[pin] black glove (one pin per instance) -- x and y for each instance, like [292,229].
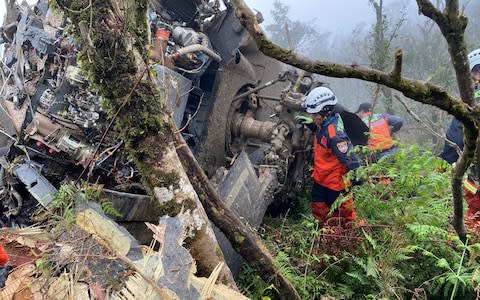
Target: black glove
[357,181]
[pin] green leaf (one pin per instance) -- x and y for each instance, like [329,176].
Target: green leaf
[443,263]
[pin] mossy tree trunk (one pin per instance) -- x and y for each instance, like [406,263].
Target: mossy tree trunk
[452,25]
[112,36]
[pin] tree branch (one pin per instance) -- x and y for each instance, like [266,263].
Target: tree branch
[451,9]
[397,69]
[425,125]
[420,91]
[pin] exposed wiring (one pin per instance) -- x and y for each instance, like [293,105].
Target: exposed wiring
[193,71]
[190,117]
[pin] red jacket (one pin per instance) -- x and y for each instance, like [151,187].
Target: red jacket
[331,157]
[3,256]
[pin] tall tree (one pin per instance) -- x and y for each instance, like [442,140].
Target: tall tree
[285,32]
[380,50]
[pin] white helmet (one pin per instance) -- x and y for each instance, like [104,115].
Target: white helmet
[320,98]
[474,58]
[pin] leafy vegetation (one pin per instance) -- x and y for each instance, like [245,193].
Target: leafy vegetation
[408,250]
[71,195]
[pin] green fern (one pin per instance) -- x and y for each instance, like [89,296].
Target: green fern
[64,203]
[107,208]
[407,249]
[70,195]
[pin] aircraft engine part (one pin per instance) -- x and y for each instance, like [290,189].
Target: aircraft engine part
[187,36]
[75,76]
[247,193]
[47,99]
[196,53]
[78,150]
[248,127]
[56,136]
[85,109]
[279,136]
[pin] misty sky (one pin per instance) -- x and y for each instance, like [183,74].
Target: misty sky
[338,16]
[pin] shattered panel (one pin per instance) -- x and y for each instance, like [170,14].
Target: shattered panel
[249,196]
[40,188]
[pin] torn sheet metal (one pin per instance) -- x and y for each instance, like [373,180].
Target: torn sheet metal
[176,87]
[248,195]
[40,188]
[40,40]
[7,131]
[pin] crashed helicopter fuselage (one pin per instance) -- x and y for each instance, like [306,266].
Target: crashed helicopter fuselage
[233,105]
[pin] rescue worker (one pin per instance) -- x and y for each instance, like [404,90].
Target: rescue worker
[455,130]
[331,156]
[381,126]
[455,134]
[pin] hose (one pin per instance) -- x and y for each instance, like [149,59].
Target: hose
[199,47]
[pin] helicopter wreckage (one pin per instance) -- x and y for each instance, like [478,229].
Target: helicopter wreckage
[234,107]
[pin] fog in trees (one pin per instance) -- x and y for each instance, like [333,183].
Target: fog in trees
[392,25]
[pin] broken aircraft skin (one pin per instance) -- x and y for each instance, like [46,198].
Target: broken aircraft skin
[233,105]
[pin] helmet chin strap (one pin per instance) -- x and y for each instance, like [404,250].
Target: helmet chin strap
[325,115]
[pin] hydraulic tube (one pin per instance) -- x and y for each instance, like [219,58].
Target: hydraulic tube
[198,47]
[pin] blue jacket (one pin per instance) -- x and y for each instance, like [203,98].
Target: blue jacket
[454,134]
[328,140]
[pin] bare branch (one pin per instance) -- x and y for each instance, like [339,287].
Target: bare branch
[451,9]
[426,8]
[453,27]
[425,125]
[397,70]
[241,237]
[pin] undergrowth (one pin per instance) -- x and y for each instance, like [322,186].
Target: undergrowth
[70,196]
[408,250]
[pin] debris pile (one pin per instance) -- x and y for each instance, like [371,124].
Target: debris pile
[233,106]
[54,131]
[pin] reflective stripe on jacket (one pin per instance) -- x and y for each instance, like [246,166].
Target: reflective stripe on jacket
[331,160]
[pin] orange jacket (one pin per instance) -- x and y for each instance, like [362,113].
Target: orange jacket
[380,137]
[331,160]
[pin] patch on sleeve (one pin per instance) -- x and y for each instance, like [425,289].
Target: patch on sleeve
[342,146]
[323,141]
